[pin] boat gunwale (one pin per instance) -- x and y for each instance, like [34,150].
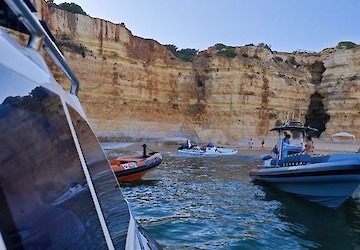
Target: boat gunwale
[154,160]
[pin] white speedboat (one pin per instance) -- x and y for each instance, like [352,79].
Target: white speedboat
[209,149]
[47,144]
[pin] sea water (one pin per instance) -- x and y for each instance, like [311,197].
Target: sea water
[207,202]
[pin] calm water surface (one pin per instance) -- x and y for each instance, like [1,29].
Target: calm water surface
[211,203]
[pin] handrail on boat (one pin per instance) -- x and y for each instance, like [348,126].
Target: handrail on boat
[39,37]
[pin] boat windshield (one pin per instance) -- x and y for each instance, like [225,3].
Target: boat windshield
[45,197]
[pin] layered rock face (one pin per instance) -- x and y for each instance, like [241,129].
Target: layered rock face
[340,86]
[135,88]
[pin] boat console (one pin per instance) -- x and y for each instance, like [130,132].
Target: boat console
[289,149]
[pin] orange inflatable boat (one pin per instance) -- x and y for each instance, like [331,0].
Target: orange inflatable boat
[134,167]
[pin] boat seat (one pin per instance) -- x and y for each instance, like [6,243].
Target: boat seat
[293,160]
[304,158]
[274,162]
[267,157]
[320,158]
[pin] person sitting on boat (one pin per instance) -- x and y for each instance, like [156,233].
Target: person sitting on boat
[285,143]
[186,145]
[275,150]
[309,146]
[286,139]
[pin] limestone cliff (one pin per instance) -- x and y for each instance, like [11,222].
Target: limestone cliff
[135,87]
[340,87]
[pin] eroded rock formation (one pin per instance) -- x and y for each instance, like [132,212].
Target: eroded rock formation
[134,87]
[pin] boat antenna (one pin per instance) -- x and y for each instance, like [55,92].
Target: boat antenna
[280,144]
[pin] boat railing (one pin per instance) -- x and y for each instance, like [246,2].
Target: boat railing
[39,38]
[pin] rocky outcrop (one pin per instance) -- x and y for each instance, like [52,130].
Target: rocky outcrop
[135,88]
[340,87]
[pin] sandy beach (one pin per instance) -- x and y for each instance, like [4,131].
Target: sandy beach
[321,146]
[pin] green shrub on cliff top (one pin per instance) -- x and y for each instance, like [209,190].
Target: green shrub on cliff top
[346,45]
[227,51]
[220,46]
[230,52]
[186,55]
[70,7]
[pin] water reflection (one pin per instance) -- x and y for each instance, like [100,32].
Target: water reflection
[211,203]
[140,182]
[317,225]
[38,162]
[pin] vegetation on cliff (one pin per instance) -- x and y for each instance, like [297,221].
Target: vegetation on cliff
[70,7]
[342,45]
[346,45]
[186,55]
[227,51]
[65,42]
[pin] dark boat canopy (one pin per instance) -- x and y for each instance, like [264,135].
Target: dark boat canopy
[293,126]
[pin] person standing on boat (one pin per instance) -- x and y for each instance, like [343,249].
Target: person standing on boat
[309,146]
[285,144]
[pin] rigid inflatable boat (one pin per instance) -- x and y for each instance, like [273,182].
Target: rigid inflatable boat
[134,167]
[328,179]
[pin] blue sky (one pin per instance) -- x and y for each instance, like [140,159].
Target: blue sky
[285,25]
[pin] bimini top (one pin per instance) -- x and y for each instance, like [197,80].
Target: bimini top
[293,126]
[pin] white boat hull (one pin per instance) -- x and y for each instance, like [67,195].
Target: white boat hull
[209,151]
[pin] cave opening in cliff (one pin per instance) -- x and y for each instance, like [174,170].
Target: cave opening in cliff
[316,116]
